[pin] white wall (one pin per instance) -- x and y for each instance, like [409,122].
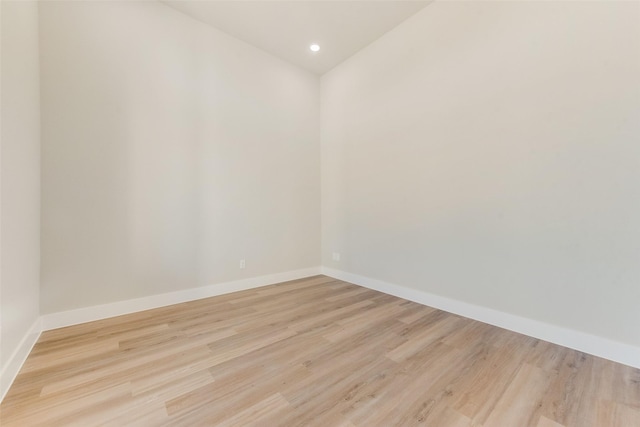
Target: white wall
[170,152]
[20,178]
[489,152]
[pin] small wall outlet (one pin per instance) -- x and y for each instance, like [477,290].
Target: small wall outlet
[243,264]
[336,256]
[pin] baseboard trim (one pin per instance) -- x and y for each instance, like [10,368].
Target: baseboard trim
[16,360]
[581,341]
[103,311]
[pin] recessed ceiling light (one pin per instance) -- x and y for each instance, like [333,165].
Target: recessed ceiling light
[314,47]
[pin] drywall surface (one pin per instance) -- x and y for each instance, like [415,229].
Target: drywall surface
[171,151]
[489,152]
[20,170]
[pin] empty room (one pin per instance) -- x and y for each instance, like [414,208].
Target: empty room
[320,213]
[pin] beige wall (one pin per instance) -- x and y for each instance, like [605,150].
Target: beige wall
[20,176]
[170,152]
[483,151]
[489,152]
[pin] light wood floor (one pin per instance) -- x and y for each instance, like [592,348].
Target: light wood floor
[312,352]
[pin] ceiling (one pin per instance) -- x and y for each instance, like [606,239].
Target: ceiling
[286,29]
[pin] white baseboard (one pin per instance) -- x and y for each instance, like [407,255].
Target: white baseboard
[16,360]
[87,314]
[103,311]
[581,341]
[598,346]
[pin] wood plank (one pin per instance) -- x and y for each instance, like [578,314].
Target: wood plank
[312,352]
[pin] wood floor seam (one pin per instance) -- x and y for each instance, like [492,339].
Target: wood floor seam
[312,352]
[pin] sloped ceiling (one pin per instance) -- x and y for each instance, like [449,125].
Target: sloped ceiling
[287,28]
